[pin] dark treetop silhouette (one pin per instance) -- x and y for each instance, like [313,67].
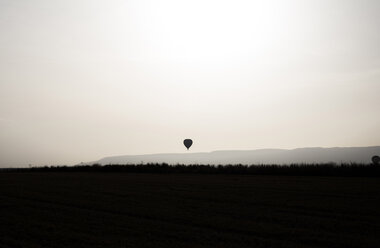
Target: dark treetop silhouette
[187,143]
[376,160]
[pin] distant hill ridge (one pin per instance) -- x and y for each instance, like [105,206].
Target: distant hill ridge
[260,156]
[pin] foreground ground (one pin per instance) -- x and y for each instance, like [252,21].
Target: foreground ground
[187,210]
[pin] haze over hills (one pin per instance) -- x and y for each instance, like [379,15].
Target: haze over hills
[260,156]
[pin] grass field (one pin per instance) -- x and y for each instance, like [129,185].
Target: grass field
[84,209]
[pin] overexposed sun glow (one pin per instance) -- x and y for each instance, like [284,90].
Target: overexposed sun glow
[214,29]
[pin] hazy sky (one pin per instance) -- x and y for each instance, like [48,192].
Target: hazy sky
[84,79]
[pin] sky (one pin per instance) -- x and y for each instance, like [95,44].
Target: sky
[85,79]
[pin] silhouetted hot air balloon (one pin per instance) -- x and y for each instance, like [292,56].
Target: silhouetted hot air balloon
[187,143]
[376,160]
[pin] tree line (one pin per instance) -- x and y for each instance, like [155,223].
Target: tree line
[326,169]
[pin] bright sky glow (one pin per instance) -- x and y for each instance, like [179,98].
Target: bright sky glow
[84,79]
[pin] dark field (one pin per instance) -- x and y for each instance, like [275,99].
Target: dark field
[84,209]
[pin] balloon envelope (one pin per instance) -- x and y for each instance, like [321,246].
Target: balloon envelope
[187,143]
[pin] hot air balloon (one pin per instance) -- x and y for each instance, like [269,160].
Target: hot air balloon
[376,160]
[187,143]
